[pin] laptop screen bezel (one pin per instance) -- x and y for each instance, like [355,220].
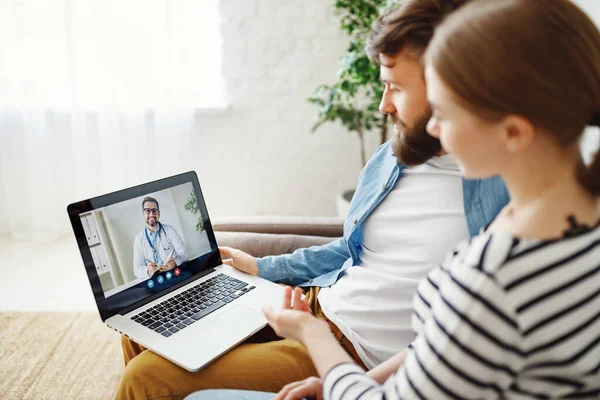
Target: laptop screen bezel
[75,209]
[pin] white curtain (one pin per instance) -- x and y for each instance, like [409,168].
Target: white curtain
[97,95]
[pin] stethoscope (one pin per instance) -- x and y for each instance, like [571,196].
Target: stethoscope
[157,237]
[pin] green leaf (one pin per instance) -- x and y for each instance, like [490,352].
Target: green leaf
[353,100]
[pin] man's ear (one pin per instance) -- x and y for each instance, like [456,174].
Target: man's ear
[517,133]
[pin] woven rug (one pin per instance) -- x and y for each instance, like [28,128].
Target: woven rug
[45,355]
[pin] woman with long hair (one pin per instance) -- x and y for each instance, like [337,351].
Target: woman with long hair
[515,312]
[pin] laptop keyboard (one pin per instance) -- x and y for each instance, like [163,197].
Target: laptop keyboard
[179,312]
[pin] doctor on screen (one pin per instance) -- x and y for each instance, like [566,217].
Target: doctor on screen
[158,247]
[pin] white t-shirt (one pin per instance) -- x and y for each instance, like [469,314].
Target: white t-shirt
[405,237]
[502,318]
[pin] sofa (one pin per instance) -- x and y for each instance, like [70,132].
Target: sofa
[263,236]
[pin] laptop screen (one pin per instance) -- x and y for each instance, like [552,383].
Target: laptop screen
[144,241]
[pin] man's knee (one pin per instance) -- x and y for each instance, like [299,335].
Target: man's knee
[130,349]
[126,344]
[132,377]
[262,367]
[148,375]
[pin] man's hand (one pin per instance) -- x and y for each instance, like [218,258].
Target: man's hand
[310,387]
[152,267]
[169,265]
[239,260]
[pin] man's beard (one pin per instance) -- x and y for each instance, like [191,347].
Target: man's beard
[412,145]
[151,224]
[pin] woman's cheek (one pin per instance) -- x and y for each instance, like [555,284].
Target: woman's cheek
[447,140]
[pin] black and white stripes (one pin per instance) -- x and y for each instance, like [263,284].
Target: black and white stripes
[501,318]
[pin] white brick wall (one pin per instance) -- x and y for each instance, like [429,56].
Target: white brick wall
[275,52]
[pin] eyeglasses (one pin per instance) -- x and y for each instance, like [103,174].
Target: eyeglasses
[149,211]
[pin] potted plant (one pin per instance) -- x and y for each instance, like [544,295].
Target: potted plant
[353,100]
[192,206]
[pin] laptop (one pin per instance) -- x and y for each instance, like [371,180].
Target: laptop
[157,275]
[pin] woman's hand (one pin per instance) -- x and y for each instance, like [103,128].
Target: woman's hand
[289,321]
[311,387]
[298,302]
[294,324]
[294,320]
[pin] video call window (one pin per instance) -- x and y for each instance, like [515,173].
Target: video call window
[150,242]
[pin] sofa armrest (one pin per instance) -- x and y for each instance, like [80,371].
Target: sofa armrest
[262,236]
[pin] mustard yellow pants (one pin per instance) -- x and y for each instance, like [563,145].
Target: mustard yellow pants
[262,363]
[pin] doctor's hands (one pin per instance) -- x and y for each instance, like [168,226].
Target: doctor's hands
[239,260]
[152,267]
[169,265]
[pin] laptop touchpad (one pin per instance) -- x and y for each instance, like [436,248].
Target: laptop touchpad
[232,327]
[241,315]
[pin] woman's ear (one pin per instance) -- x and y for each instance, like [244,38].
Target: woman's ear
[517,133]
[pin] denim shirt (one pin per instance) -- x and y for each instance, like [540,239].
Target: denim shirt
[324,265]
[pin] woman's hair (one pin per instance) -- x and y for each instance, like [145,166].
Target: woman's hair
[539,59]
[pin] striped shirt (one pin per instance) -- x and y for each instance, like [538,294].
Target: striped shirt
[500,318]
